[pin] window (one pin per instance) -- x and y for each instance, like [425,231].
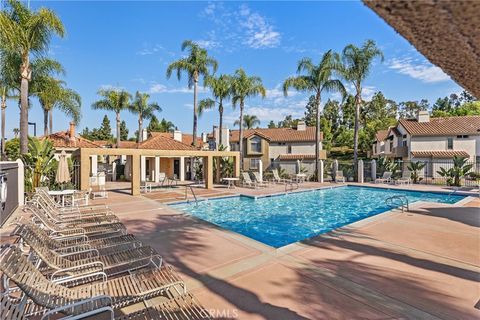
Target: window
[289,149]
[254,163]
[462,136]
[404,143]
[449,143]
[256,145]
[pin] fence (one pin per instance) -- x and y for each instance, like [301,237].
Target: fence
[47,178]
[8,189]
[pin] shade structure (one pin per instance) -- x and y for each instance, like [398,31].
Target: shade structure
[63,174]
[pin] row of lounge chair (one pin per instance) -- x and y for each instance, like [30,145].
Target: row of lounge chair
[78,262]
[257,182]
[387,178]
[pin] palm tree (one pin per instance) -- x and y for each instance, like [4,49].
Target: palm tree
[144,110]
[24,32]
[8,79]
[53,94]
[249,121]
[221,90]
[357,63]
[317,79]
[113,100]
[244,87]
[195,65]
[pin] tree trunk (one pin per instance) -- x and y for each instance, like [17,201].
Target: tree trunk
[140,128]
[4,107]
[240,141]
[45,122]
[317,137]
[195,116]
[355,130]
[220,111]
[25,78]
[118,130]
[50,120]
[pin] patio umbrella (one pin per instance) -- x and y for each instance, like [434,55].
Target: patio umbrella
[298,166]
[63,174]
[126,170]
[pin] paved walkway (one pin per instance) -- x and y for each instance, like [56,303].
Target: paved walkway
[424,264]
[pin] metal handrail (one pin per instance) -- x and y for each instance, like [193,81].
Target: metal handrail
[193,193]
[404,203]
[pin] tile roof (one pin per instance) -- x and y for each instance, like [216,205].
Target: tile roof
[62,139]
[381,135]
[278,134]
[296,157]
[440,154]
[126,144]
[442,126]
[164,142]
[186,137]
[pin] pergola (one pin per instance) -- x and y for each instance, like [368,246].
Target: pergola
[445,32]
[83,155]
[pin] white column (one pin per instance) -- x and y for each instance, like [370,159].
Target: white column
[360,171]
[94,166]
[182,169]
[260,169]
[21,182]
[157,169]
[142,168]
[320,171]
[374,170]
[114,171]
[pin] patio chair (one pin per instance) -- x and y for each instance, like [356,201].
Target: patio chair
[277,179]
[49,297]
[98,192]
[339,177]
[42,193]
[406,178]
[146,186]
[248,182]
[258,181]
[386,178]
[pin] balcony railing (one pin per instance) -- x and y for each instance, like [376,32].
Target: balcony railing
[400,152]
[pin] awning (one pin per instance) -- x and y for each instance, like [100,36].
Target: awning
[440,154]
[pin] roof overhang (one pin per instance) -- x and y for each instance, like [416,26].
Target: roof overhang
[446,32]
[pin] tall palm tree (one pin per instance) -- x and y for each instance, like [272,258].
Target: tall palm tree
[221,90]
[196,64]
[113,100]
[249,121]
[244,87]
[144,110]
[24,32]
[8,84]
[316,79]
[53,94]
[357,63]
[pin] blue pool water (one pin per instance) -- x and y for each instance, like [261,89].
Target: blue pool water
[284,219]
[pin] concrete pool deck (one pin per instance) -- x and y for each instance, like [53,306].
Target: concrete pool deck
[422,264]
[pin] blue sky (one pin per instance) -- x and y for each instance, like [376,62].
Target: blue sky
[129,45]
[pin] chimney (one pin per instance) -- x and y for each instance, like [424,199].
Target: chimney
[301,126]
[144,134]
[225,132]
[71,132]
[204,137]
[177,135]
[423,116]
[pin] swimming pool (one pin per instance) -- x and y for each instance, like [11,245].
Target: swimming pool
[284,219]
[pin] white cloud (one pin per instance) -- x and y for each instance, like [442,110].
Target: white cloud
[368,92]
[160,88]
[259,33]
[153,49]
[422,71]
[111,87]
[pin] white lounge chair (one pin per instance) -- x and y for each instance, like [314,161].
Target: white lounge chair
[259,181]
[339,177]
[405,179]
[386,178]
[277,179]
[247,181]
[145,186]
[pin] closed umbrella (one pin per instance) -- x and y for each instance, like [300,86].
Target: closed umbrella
[126,171]
[63,174]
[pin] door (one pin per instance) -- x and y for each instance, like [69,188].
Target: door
[176,167]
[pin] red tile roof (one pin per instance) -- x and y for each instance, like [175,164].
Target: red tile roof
[278,134]
[443,126]
[186,137]
[440,154]
[62,139]
[381,135]
[164,142]
[296,157]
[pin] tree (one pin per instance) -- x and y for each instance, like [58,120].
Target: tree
[40,163]
[8,85]
[160,126]
[409,109]
[123,131]
[357,63]
[103,133]
[52,94]
[12,149]
[244,87]
[288,122]
[271,124]
[317,79]
[27,32]
[249,121]
[221,90]
[113,100]
[144,110]
[196,64]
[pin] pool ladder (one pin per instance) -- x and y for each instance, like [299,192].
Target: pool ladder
[402,200]
[291,184]
[188,186]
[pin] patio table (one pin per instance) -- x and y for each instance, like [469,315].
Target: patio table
[300,177]
[231,182]
[61,194]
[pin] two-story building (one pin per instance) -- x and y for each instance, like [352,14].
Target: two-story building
[285,148]
[430,139]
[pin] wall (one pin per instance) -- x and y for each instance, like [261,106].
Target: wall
[12,189]
[469,145]
[263,155]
